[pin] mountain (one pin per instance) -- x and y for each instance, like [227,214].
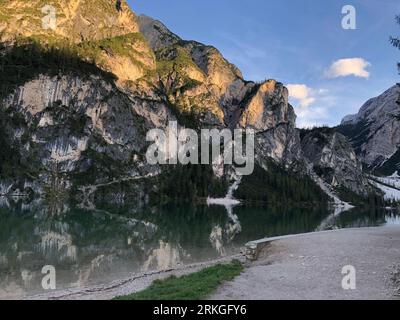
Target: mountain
[244,105]
[375,132]
[334,160]
[77,102]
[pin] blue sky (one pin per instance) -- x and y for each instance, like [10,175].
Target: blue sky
[296,42]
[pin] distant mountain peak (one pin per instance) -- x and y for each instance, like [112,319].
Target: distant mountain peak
[386,103]
[156,33]
[375,131]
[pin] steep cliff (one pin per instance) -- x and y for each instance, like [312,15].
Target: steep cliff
[334,160]
[229,99]
[375,132]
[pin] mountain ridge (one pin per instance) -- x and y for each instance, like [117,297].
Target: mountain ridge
[78,124]
[375,131]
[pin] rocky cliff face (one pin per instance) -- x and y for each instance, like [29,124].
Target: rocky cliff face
[77,101]
[69,131]
[76,20]
[227,97]
[334,160]
[375,132]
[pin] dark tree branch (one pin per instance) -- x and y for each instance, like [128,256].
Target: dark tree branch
[395,42]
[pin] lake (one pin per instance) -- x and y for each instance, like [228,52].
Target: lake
[96,246]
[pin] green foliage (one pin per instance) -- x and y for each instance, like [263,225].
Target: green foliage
[9,155]
[173,64]
[373,200]
[30,57]
[4,17]
[187,118]
[321,132]
[196,286]
[12,164]
[101,166]
[278,186]
[35,55]
[120,45]
[174,58]
[24,61]
[54,191]
[187,183]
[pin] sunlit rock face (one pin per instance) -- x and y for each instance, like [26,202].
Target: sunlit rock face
[76,20]
[268,112]
[236,102]
[268,107]
[375,131]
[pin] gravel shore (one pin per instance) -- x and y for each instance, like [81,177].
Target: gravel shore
[309,267]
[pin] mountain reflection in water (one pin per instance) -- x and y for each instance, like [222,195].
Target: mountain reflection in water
[97,246]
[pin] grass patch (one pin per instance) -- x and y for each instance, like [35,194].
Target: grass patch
[174,58]
[120,45]
[195,286]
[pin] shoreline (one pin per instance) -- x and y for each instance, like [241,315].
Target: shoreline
[138,282]
[310,267]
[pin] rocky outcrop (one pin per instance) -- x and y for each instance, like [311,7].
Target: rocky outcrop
[93,30]
[375,132]
[156,33]
[67,131]
[219,73]
[75,20]
[267,111]
[227,97]
[195,75]
[334,160]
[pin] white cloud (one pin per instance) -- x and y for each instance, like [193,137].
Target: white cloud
[348,67]
[301,93]
[311,117]
[304,99]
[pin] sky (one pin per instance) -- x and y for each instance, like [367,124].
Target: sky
[330,71]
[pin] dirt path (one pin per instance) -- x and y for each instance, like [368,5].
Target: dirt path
[310,267]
